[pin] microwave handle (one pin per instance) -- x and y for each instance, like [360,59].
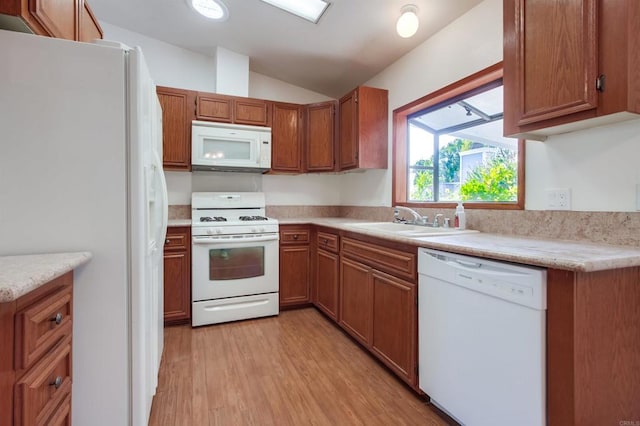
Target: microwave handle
[218,240]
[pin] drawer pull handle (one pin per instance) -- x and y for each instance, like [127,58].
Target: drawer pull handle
[295,237]
[57,319]
[57,382]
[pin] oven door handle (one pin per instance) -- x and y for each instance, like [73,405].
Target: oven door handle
[217,240]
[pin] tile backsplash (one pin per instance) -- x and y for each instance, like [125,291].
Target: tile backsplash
[619,228]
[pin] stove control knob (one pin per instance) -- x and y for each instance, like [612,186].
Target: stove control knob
[254,230]
[209,231]
[262,229]
[218,231]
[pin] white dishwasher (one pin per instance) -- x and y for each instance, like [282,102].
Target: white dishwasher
[482,339]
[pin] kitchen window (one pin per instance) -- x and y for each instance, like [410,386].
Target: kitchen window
[448,147]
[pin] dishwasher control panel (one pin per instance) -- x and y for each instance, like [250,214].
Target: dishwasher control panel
[525,285]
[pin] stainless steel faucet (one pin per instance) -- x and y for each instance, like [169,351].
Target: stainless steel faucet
[436,224]
[417,218]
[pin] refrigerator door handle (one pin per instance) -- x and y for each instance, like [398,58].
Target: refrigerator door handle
[157,167]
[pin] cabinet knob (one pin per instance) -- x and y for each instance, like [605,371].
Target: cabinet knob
[57,382]
[57,319]
[325,241]
[295,236]
[167,241]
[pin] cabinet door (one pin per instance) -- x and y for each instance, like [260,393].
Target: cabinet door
[394,324]
[251,111]
[57,17]
[286,137]
[355,314]
[320,136]
[177,276]
[326,284]
[550,60]
[348,131]
[177,113]
[295,267]
[214,107]
[89,29]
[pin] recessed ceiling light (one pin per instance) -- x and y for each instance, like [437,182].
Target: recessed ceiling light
[311,10]
[212,9]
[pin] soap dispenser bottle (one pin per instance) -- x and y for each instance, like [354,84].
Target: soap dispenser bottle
[460,221]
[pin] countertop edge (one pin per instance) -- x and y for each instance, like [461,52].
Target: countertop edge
[23,274]
[445,243]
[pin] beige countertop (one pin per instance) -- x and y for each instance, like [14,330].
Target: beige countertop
[179,222]
[559,254]
[20,275]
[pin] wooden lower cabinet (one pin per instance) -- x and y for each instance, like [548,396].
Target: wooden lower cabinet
[177,275]
[295,274]
[295,266]
[35,356]
[356,293]
[327,283]
[395,317]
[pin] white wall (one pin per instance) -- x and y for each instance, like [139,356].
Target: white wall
[599,165]
[263,87]
[167,62]
[232,73]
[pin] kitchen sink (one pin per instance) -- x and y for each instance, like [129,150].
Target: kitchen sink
[410,231]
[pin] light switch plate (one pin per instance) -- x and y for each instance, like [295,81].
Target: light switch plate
[559,199]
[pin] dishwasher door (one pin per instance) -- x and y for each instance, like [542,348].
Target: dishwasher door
[482,339]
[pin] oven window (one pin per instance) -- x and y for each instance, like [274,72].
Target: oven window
[236,263]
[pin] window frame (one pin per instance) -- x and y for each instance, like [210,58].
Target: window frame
[400,165]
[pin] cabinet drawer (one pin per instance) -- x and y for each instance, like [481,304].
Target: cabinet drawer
[43,389]
[392,261]
[41,325]
[294,236]
[177,239]
[327,241]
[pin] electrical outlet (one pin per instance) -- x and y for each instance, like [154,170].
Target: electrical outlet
[559,199]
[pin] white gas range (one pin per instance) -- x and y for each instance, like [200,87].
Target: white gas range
[234,257]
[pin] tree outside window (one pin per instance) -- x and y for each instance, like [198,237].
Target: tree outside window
[457,152]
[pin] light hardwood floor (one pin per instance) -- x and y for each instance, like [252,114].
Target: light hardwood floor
[294,369]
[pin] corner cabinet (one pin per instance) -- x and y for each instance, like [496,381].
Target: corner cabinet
[178,110]
[286,137]
[177,275]
[569,65]
[363,129]
[320,139]
[295,265]
[66,19]
[35,356]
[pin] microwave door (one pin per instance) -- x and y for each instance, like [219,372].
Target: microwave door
[229,151]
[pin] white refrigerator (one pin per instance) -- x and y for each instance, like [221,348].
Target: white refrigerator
[80,170]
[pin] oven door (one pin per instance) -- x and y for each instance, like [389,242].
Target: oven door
[228,267]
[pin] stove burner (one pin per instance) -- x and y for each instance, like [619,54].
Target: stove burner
[213,219]
[248,218]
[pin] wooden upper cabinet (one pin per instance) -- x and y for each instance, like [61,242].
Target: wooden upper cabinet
[214,107]
[177,114]
[286,137]
[568,65]
[89,28]
[232,109]
[320,136]
[67,19]
[254,112]
[363,135]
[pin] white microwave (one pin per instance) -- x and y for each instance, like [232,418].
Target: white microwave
[230,147]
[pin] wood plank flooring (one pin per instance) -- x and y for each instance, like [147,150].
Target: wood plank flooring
[294,369]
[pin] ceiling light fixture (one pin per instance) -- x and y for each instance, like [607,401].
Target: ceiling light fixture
[408,23]
[311,10]
[212,9]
